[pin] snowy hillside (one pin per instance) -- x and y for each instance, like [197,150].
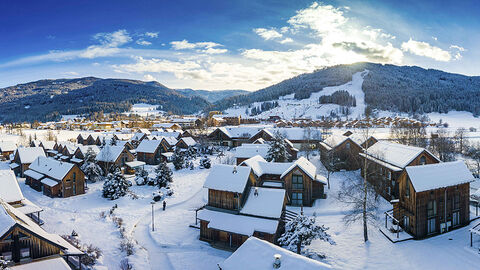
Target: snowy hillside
[290,108]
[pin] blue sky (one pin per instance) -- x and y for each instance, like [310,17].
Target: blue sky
[229,44]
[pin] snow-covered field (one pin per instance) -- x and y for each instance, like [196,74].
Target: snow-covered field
[175,245]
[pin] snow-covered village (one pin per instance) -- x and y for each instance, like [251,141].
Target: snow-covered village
[232,135]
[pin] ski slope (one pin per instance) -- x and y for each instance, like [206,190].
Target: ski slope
[290,108]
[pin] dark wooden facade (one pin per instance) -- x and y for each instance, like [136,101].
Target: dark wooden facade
[71,185]
[151,158]
[123,158]
[423,213]
[343,156]
[385,180]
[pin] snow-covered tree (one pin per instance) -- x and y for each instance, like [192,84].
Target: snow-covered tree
[301,231]
[115,185]
[163,175]
[90,168]
[178,159]
[141,177]
[278,149]
[3,264]
[205,162]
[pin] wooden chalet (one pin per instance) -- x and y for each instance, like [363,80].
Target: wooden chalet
[149,152]
[232,136]
[48,145]
[167,144]
[11,193]
[81,151]
[433,198]
[297,136]
[82,139]
[137,138]
[113,155]
[23,242]
[300,179]
[386,162]
[7,149]
[237,210]
[24,156]
[55,178]
[186,142]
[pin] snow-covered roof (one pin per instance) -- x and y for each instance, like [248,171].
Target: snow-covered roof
[260,255]
[147,146]
[260,166]
[267,203]
[168,154]
[135,163]
[170,140]
[239,224]
[334,140]
[305,165]
[440,175]
[295,133]
[33,174]
[396,154]
[175,134]
[251,150]
[50,167]
[240,131]
[29,154]
[57,263]
[49,182]
[7,146]
[189,141]
[48,145]
[110,153]
[9,216]
[138,136]
[227,178]
[84,148]
[9,189]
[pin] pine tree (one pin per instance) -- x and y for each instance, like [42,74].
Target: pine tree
[141,177]
[205,163]
[115,185]
[178,159]
[301,231]
[90,168]
[163,175]
[278,149]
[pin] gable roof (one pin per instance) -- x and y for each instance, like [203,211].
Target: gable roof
[110,153]
[227,178]
[29,154]
[189,141]
[84,148]
[48,145]
[251,150]
[170,140]
[50,167]
[147,146]
[305,165]
[396,154]
[9,189]
[239,131]
[267,203]
[295,133]
[440,175]
[260,166]
[259,254]
[7,146]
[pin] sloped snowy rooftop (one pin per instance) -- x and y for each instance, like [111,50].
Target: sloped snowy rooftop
[259,255]
[267,203]
[169,140]
[251,150]
[110,153]
[147,146]
[189,141]
[227,178]
[305,165]
[433,176]
[50,167]
[239,224]
[7,146]
[9,189]
[29,154]
[240,131]
[48,264]
[396,154]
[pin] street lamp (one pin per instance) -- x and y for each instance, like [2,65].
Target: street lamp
[153,217]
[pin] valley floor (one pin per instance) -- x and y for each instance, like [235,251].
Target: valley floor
[175,245]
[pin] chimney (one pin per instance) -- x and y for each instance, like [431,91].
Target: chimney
[277,262]
[256,191]
[234,169]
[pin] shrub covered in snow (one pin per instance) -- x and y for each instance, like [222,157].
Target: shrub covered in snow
[205,163]
[92,253]
[300,231]
[3,263]
[115,185]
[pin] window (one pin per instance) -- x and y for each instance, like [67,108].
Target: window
[431,228]
[407,189]
[347,145]
[456,218]
[406,222]
[7,256]
[297,181]
[389,175]
[432,208]
[456,201]
[423,160]
[297,199]
[24,253]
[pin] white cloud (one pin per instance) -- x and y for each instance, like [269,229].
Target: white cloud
[286,40]
[109,43]
[143,42]
[319,18]
[267,34]
[151,34]
[203,47]
[425,49]
[459,48]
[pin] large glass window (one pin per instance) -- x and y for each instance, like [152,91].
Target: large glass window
[297,198]
[297,181]
[456,201]
[432,208]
